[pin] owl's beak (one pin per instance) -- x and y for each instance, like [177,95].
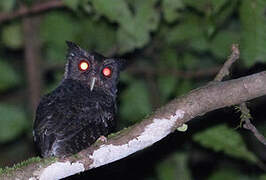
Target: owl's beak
[93,83]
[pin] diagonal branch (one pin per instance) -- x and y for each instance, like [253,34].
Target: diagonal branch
[245,112]
[36,8]
[152,129]
[224,71]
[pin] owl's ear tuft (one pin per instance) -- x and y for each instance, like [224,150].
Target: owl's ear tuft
[72,46]
[73,49]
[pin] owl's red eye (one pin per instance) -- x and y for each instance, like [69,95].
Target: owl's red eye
[83,65]
[107,72]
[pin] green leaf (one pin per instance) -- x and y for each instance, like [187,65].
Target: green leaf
[9,78]
[210,6]
[127,41]
[168,59]
[199,4]
[134,30]
[174,167]
[166,85]
[170,9]
[58,24]
[183,128]
[7,6]
[225,12]
[12,122]
[227,140]
[191,28]
[72,4]
[146,14]
[135,102]
[199,44]
[218,4]
[191,62]
[12,36]
[56,28]
[228,174]
[190,32]
[135,33]
[262,177]
[221,44]
[115,10]
[252,16]
[97,36]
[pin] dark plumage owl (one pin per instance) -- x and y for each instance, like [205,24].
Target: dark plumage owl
[81,108]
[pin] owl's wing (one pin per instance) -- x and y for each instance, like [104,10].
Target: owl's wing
[45,123]
[61,118]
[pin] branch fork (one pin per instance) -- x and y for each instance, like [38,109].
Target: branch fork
[152,129]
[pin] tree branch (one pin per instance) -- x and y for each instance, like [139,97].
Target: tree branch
[32,56]
[245,117]
[36,8]
[139,136]
[245,112]
[224,71]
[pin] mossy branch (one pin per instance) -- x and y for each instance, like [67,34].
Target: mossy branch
[152,129]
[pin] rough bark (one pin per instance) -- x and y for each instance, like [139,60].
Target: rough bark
[162,122]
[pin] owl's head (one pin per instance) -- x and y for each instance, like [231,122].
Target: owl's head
[93,69]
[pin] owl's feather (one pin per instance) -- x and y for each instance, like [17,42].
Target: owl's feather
[72,117]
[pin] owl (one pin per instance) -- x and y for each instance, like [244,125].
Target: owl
[82,108]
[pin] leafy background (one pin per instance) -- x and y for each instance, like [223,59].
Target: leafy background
[171,46]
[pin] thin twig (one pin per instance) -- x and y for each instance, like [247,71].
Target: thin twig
[245,113]
[245,117]
[36,8]
[224,71]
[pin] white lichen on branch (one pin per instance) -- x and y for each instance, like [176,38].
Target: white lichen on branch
[60,170]
[154,132]
[150,130]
